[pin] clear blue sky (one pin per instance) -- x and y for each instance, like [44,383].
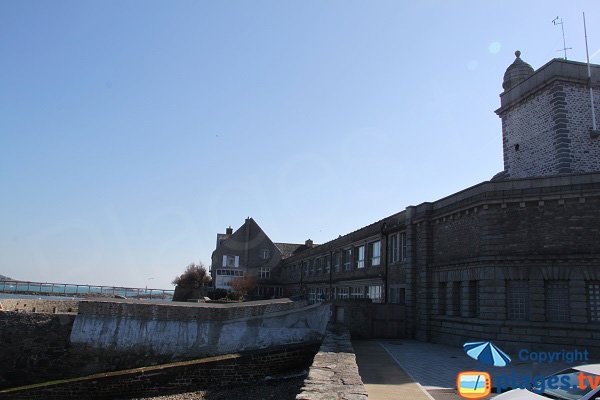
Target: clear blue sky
[131,132]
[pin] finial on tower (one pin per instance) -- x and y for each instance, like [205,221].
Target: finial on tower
[518,53]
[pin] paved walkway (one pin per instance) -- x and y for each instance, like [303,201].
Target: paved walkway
[400,369]
[381,375]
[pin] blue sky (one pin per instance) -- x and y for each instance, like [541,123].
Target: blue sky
[131,132]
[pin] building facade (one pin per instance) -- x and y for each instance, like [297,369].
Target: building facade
[515,260]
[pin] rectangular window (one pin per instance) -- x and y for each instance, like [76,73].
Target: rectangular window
[375,250]
[336,262]
[327,266]
[442,295]
[311,266]
[360,257]
[312,295]
[517,300]
[374,294]
[394,248]
[264,254]
[397,295]
[231,261]
[357,292]
[593,297]
[456,298]
[557,301]
[305,263]
[265,272]
[473,299]
[403,246]
[342,292]
[319,264]
[347,259]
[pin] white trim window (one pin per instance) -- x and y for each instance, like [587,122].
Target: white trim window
[231,261]
[264,254]
[375,250]
[360,256]
[265,272]
[347,259]
[374,293]
[342,292]
[357,292]
[336,262]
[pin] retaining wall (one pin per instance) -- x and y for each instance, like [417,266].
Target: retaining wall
[40,306]
[224,370]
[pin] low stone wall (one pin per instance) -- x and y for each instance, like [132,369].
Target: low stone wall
[225,370]
[34,347]
[40,306]
[334,373]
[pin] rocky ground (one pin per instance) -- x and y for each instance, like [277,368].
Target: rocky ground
[285,389]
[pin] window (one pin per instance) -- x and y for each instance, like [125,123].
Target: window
[403,246]
[279,291]
[557,301]
[375,250]
[347,259]
[593,292]
[455,298]
[319,265]
[311,266]
[360,257]
[517,300]
[398,247]
[312,295]
[264,254]
[374,293]
[231,261]
[473,299]
[327,266]
[342,292]
[305,267]
[265,272]
[442,293]
[397,295]
[336,262]
[394,248]
[357,293]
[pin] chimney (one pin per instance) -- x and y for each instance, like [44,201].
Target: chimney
[229,231]
[308,243]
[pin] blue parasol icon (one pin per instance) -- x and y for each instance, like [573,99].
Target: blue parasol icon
[488,353]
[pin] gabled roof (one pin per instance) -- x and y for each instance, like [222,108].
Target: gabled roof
[287,249]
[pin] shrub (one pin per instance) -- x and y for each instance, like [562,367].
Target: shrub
[195,276]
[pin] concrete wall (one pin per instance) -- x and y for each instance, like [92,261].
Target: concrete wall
[196,331]
[367,320]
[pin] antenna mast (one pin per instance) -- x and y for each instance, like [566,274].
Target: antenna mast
[594,128]
[562,26]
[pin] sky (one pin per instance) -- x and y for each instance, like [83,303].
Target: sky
[132,132]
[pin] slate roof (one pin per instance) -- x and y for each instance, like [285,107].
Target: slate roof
[287,249]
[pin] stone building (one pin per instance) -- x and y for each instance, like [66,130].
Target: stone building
[515,259]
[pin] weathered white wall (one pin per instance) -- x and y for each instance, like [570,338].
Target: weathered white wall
[198,338]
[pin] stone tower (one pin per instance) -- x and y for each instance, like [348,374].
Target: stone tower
[547,119]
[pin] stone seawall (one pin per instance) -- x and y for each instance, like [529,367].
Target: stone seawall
[40,306]
[112,335]
[34,347]
[212,372]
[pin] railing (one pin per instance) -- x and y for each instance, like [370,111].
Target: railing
[69,289]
